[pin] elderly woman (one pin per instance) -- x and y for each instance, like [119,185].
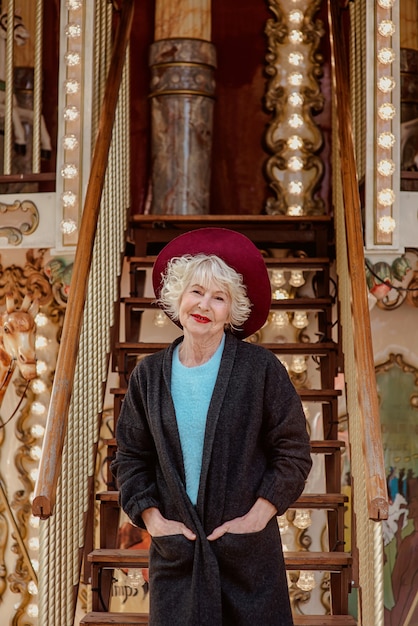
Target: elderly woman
[212,442]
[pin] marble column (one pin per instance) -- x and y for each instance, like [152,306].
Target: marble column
[182,90]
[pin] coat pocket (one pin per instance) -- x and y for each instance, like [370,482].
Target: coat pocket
[175,549]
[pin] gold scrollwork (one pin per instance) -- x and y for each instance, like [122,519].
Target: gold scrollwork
[24,220]
[294,170]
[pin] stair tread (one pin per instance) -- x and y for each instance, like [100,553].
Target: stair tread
[304,393]
[305,263]
[317,445]
[308,500]
[323,561]
[122,619]
[283,303]
[324,620]
[318,347]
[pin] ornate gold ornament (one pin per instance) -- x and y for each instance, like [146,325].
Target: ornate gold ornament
[23,221]
[294,169]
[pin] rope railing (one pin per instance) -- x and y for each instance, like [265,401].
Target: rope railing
[53,444]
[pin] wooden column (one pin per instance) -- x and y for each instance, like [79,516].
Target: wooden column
[182,61]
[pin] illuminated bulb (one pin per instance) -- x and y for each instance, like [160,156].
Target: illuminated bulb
[73,30]
[386,4]
[298,364]
[386,111]
[295,58]
[295,164]
[72,58]
[33,610]
[295,187]
[70,142]
[295,36]
[295,79]
[302,519]
[69,171]
[295,142]
[386,28]
[300,319]
[32,588]
[386,84]
[38,408]
[283,523]
[41,320]
[71,114]
[71,86]
[41,342]
[295,121]
[295,16]
[280,294]
[74,5]
[295,209]
[306,581]
[386,56]
[295,99]
[386,167]
[38,386]
[68,199]
[386,140]
[160,319]
[34,521]
[296,278]
[386,197]
[36,453]
[34,474]
[37,430]
[280,319]
[68,226]
[277,278]
[34,543]
[386,224]
[41,368]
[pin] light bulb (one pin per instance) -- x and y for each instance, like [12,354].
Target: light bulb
[296,278]
[386,56]
[277,278]
[302,519]
[68,226]
[295,209]
[73,30]
[295,121]
[74,5]
[283,523]
[37,431]
[295,187]
[295,36]
[298,365]
[69,171]
[386,111]
[295,79]
[295,164]
[386,4]
[70,142]
[71,86]
[295,58]
[41,320]
[386,197]
[68,199]
[280,319]
[295,99]
[386,28]
[160,319]
[41,367]
[295,142]
[295,16]
[386,140]
[306,581]
[72,59]
[38,386]
[71,114]
[280,294]
[41,342]
[386,167]
[300,319]
[386,84]
[386,224]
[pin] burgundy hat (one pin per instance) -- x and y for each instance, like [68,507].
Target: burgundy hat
[238,252]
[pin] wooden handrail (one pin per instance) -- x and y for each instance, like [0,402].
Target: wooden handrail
[376,488]
[50,465]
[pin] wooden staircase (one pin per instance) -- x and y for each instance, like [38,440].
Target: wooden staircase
[288,243]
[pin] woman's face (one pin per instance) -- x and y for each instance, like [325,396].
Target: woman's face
[205,311]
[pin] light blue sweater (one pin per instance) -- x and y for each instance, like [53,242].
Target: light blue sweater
[191,389]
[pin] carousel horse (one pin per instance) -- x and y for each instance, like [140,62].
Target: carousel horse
[19,114]
[17,341]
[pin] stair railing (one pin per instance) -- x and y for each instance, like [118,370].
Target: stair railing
[50,464]
[369,491]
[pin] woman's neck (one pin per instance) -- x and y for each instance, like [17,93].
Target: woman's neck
[193,352]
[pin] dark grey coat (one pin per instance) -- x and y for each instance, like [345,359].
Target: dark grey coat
[256,445]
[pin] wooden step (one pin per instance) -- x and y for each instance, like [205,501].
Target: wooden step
[312,304]
[121,619]
[305,501]
[127,619]
[324,620]
[117,557]
[318,561]
[304,263]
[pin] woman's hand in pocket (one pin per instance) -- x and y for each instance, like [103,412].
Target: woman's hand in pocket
[255,520]
[159,526]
